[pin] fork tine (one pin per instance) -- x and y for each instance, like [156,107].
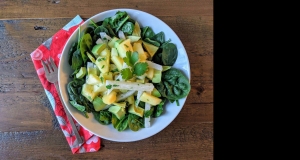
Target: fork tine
[53,65]
[45,66]
[49,65]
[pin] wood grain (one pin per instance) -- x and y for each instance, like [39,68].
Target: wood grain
[172,143]
[66,9]
[27,123]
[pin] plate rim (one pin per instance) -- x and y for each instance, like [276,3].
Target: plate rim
[183,100]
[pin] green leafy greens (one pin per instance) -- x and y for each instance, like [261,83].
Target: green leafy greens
[173,86]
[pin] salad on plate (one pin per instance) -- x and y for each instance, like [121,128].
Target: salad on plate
[123,73]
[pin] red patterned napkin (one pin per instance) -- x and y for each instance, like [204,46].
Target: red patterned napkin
[53,48]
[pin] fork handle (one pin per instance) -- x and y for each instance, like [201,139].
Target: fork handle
[78,137]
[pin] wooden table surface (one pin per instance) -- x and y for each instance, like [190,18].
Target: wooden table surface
[28,129]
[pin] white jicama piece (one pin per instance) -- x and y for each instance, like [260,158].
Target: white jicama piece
[138,97]
[119,78]
[130,85]
[155,65]
[125,95]
[99,41]
[103,36]
[90,65]
[147,119]
[121,34]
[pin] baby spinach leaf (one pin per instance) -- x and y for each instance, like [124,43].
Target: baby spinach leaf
[135,122]
[88,105]
[114,120]
[143,31]
[174,85]
[149,33]
[103,117]
[123,124]
[141,104]
[74,88]
[99,23]
[128,28]
[157,58]
[130,20]
[100,29]
[74,73]
[77,60]
[165,43]
[76,99]
[169,54]
[152,42]
[158,110]
[95,38]
[111,33]
[86,44]
[79,107]
[117,20]
[159,37]
[90,29]
[71,51]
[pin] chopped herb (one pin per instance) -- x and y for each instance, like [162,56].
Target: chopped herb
[108,86]
[101,78]
[127,59]
[125,45]
[102,66]
[115,85]
[140,68]
[131,59]
[101,59]
[126,73]
[115,70]
[134,57]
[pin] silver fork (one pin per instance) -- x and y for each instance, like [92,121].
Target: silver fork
[51,73]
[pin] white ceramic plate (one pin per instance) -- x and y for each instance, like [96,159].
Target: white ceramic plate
[171,110]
